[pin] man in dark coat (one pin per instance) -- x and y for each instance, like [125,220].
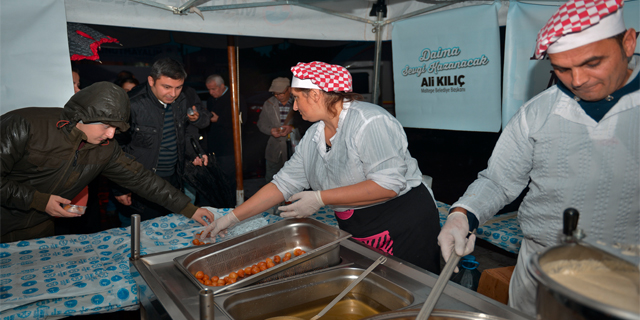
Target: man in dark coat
[50,154]
[157,137]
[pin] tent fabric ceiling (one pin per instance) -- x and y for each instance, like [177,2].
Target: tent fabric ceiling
[136,38]
[345,20]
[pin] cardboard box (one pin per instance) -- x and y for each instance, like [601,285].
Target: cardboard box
[494,283]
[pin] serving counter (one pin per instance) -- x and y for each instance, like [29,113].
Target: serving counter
[72,275]
[165,292]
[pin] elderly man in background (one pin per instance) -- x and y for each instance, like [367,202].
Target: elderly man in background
[218,137]
[575,145]
[49,155]
[274,122]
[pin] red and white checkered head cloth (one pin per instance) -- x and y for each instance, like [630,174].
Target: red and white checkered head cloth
[321,75]
[580,22]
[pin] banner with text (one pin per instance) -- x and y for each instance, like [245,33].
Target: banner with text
[447,70]
[525,77]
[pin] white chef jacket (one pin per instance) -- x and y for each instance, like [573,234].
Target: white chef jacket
[571,161]
[369,144]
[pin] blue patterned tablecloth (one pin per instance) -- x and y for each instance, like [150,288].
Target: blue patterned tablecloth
[71,275]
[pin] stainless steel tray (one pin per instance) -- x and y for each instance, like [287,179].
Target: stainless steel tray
[305,296]
[320,241]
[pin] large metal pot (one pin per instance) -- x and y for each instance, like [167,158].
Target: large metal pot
[411,314]
[586,291]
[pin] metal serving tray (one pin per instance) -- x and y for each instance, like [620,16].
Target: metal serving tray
[165,292]
[320,241]
[305,296]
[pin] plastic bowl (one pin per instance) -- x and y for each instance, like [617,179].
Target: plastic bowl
[75,208]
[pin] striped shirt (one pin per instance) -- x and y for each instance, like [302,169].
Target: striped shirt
[168,147]
[284,111]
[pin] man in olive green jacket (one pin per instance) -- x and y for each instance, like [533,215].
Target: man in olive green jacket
[50,154]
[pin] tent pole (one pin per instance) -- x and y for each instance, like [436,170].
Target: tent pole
[376,63]
[235,114]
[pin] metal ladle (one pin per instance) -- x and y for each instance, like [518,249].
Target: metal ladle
[344,292]
[437,289]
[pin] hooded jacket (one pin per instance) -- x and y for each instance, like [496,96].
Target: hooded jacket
[43,154]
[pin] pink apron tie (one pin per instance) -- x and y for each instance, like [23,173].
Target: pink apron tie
[344,215]
[380,241]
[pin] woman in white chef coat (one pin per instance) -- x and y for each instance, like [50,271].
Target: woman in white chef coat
[355,160]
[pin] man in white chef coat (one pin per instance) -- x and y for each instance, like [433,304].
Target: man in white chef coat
[575,144]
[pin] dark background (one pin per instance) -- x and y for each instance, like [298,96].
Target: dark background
[452,158]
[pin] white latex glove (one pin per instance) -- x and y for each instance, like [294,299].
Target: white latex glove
[219,225]
[308,203]
[454,235]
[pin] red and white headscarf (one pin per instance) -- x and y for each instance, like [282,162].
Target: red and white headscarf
[321,75]
[580,22]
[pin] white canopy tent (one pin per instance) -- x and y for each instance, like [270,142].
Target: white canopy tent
[37,35]
[358,20]
[296,19]
[33,42]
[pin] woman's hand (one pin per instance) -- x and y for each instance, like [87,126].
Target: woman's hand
[308,203]
[220,225]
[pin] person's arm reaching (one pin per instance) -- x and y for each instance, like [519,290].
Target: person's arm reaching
[359,194]
[267,197]
[125,171]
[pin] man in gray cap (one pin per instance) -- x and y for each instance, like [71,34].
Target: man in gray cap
[275,123]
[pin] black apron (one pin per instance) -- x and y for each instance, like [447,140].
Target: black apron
[406,227]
